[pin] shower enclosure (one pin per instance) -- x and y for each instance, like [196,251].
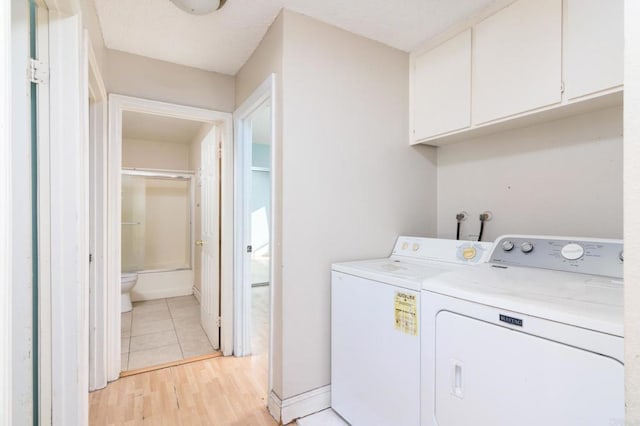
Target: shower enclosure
[157,231]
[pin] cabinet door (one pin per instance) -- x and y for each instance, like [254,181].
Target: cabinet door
[594,58]
[517,58]
[442,88]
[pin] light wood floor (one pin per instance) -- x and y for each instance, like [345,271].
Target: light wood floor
[218,391]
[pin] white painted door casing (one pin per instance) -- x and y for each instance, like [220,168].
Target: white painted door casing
[442,88]
[517,60]
[594,46]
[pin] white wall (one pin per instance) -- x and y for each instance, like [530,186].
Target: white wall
[155,155]
[557,178]
[350,184]
[133,75]
[632,211]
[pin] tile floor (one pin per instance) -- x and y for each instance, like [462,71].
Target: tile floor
[160,331]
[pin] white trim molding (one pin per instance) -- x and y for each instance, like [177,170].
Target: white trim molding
[290,409]
[242,235]
[631,213]
[96,134]
[68,230]
[6,256]
[196,293]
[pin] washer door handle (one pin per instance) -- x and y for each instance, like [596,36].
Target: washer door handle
[456,379]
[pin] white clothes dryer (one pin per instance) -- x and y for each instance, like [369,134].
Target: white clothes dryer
[375,328]
[533,337]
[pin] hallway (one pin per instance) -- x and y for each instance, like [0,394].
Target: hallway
[217,391]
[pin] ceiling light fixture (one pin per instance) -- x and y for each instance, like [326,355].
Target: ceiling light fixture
[199,7]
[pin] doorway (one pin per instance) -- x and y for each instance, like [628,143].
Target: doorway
[254,223]
[164,319]
[165,281]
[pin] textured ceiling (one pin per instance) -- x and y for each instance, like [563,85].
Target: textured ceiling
[157,128]
[224,40]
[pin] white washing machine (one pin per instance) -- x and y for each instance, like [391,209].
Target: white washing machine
[533,337]
[375,328]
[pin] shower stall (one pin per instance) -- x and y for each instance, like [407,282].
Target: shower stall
[157,232]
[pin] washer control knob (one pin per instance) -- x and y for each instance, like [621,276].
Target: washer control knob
[526,247]
[572,251]
[621,256]
[416,246]
[507,245]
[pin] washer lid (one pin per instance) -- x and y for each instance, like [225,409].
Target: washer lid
[401,272]
[586,301]
[414,259]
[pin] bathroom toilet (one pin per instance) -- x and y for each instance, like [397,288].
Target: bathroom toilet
[127,281]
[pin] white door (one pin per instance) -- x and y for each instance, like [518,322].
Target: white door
[491,375]
[210,237]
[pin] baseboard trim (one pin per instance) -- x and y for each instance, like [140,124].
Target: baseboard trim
[287,410]
[196,293]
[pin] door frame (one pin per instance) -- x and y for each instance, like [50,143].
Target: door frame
[6,252]
[62,211]
[117,105]
[242,298]
[96,135]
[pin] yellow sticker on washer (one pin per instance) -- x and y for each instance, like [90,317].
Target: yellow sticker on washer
[406,313]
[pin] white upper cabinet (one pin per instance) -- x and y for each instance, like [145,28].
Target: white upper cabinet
[517,60]
[515,64]
[594,57]
[441,88]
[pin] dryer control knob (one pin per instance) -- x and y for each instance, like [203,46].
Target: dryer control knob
[572,251]
[526,247]
[507,245]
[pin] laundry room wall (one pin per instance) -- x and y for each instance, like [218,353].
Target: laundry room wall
[351,183]
[558,178]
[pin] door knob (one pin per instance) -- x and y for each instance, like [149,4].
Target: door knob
[199,242]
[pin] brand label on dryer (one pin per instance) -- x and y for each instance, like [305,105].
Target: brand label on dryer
[511,320]
[406,313]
